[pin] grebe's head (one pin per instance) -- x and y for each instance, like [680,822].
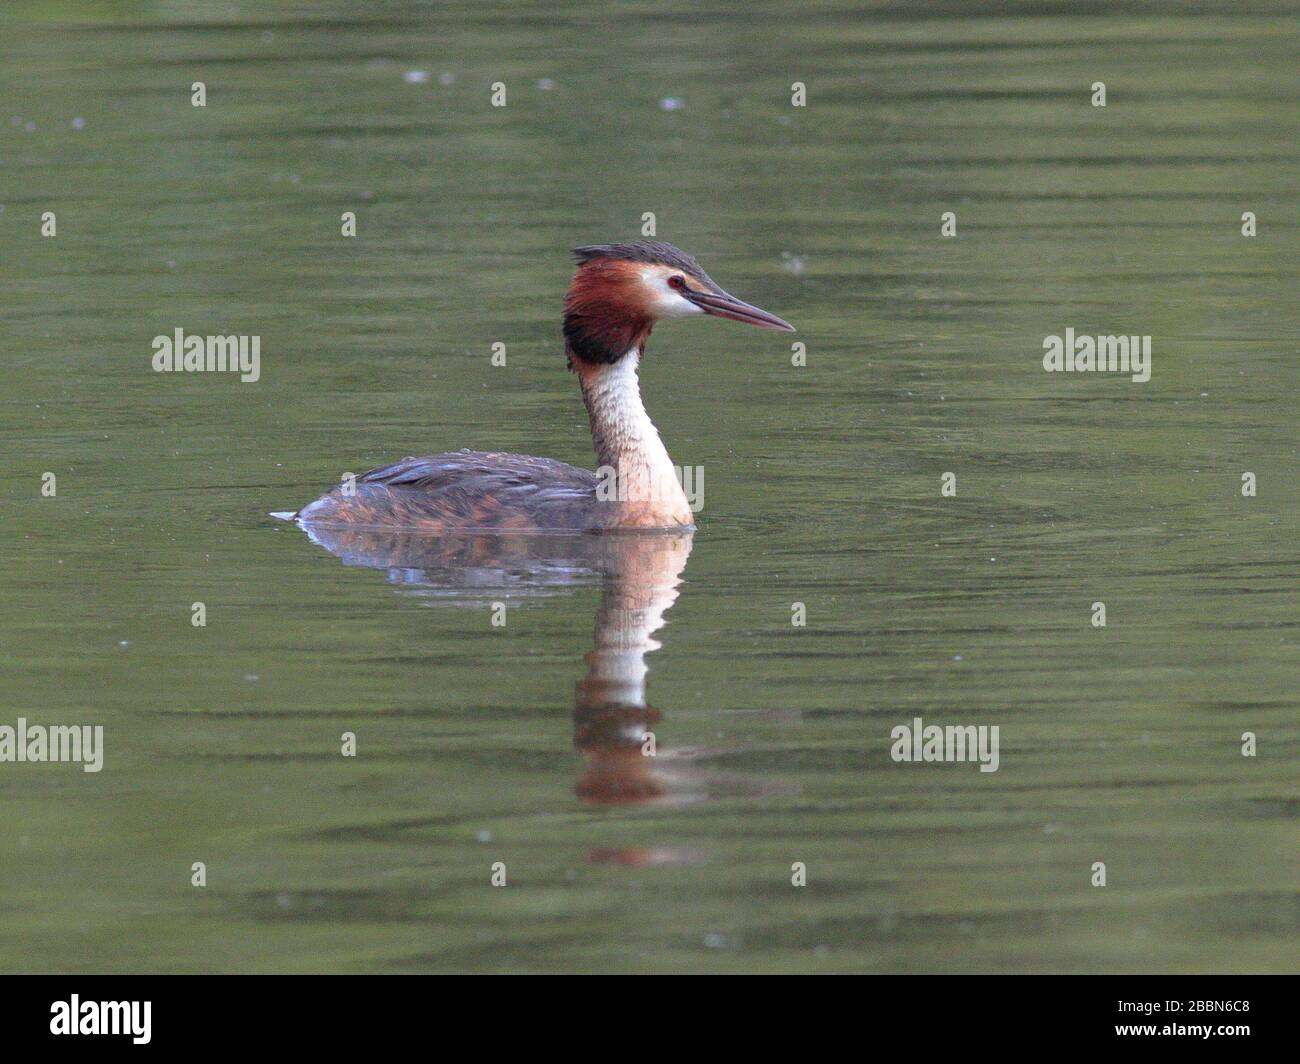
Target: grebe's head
[621,290]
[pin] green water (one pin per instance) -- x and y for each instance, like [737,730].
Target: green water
[479,744]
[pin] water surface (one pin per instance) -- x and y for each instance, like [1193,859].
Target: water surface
[519,744]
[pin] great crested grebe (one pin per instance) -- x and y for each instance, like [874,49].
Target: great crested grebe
[617,295]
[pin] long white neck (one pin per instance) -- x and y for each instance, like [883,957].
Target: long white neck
[628,444]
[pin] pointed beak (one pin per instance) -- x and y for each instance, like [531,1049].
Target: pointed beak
[721,305]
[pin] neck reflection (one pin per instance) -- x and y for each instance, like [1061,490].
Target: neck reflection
[613,723]
[640,575]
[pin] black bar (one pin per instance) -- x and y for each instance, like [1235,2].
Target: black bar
[348,1013]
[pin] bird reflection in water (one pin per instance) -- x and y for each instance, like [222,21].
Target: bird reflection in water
[639,575]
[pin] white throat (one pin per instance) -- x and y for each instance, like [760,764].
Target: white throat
[627,441]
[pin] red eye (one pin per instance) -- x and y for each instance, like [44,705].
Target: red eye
[678,282]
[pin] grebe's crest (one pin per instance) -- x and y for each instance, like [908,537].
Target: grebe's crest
[651,252]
